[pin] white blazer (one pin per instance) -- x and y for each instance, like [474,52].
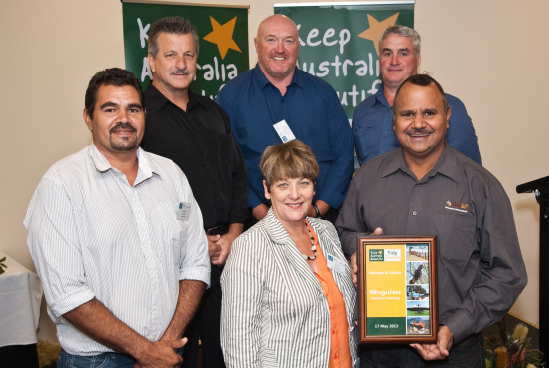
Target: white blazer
[274,312]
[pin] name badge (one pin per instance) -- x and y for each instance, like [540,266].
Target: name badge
[284,131]
[184,211]
[335,264]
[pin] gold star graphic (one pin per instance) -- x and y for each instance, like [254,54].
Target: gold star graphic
[222,36]
[376,29]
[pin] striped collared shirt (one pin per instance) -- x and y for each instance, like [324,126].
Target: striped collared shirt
[92,235]
[274,311]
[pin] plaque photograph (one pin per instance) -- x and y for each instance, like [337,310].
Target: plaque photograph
[397,289]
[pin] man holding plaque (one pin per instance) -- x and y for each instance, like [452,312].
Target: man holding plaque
[426,187]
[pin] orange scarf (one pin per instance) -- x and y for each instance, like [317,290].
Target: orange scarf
[340,353]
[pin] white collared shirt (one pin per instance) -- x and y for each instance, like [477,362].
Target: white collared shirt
[92,235]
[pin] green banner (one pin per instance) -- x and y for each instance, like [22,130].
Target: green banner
[223,36]
[339,43]
[386,326]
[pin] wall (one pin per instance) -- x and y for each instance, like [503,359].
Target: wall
[491,54]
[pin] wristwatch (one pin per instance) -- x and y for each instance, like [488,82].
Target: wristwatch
[316,210]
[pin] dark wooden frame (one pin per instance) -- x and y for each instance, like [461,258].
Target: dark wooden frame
[367,241]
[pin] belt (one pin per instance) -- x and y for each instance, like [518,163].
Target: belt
[217,230]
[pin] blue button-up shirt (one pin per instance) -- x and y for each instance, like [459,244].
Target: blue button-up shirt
[374,135]
[314,114]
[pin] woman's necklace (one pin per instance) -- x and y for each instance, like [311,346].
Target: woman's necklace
[313,247]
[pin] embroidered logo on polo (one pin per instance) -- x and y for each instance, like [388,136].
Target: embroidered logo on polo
[457,206]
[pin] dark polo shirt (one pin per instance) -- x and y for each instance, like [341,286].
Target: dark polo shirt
[480,268]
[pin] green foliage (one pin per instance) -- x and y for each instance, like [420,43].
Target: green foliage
[517,345]
[2,265]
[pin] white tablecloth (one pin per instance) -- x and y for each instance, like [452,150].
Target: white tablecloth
[20,297]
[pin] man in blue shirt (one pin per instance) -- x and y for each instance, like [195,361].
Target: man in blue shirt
[399,58]
[275,90]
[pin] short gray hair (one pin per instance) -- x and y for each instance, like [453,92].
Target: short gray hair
[402,31]
[171,25]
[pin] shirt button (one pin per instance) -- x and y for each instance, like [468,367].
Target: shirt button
[414,213]
[335,356]
[146,246]
[385,132]
[219,208]
[333,332]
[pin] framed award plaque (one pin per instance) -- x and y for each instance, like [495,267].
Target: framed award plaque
[397,289]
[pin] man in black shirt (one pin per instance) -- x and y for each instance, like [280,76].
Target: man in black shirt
[195,133]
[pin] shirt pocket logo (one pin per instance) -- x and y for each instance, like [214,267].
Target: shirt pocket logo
[454,206]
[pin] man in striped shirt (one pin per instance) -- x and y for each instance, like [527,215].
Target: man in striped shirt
[117,240]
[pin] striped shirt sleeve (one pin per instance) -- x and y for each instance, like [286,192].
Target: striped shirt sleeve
[55,249]
[241,307]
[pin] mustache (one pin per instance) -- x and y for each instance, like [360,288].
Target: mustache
[123,126]
[181,71]
[424,130]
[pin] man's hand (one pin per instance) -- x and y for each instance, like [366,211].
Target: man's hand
[260,211]
[323,207]
[441,349]
[96,321]
[161,354]
[225,242]
[354,267]
[213,247]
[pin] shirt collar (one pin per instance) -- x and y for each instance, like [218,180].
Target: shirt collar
[445,165]
[146,166]
[156,100]
[262,80]
[279,235]
[380,97]
[396,163]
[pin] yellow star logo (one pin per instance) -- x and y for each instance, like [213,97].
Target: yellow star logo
[222,36]
[376,29]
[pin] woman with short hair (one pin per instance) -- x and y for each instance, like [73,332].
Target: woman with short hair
[288,296]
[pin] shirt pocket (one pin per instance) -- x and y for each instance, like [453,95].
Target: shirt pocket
[368,141]
[268,358]
[457,241]
[173,232]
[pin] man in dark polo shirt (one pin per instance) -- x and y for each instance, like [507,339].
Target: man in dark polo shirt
[195,133]
[427,187]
